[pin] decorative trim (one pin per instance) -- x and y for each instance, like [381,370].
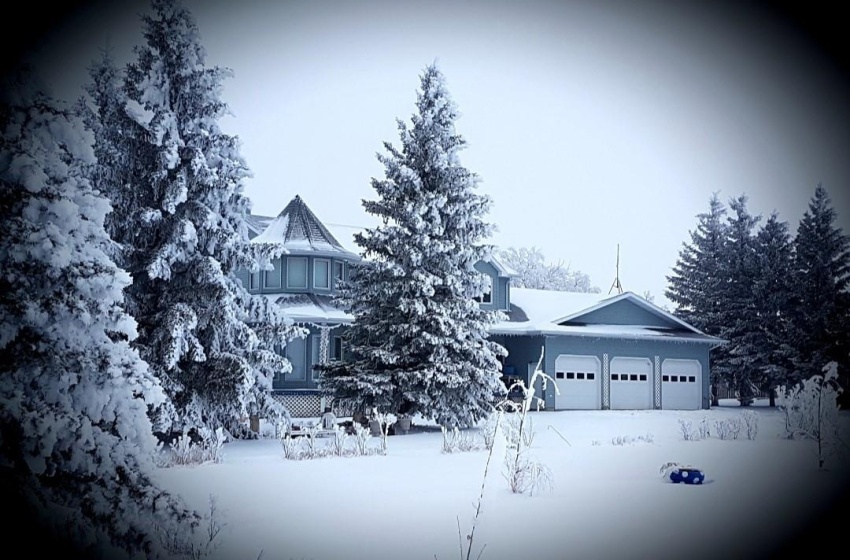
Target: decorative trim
[657,383]
[606,383]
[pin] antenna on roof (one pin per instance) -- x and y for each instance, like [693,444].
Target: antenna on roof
[616,285]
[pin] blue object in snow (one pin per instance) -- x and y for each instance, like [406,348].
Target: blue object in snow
[688,475]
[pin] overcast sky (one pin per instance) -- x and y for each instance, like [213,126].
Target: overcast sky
[590,124]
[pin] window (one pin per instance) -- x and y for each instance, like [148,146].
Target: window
[633,377]
[571,375]
[559,375]
[296,272]
[273,276]
[665,378]
[487,287]
[643,377]
[580,375]
[339,271]
[321,274]
[692,379]
[674,378]
[336,349]
[254,281]
[591,376]
[615,377]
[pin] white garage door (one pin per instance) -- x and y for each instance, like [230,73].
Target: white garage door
[579,381]
[631,383]
[681,384]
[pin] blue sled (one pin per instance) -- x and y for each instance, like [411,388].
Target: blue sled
[687,475]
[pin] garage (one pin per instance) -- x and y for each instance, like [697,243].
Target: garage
[631,383]
[681,384]
[579,382]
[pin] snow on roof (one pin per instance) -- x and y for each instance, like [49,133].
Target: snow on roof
[256,223]
[307,308]
[544,309]
[299,230]
[501,268]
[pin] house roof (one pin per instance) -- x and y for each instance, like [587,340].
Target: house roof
[298,230]
[503,269]
[544,312]
[533,312]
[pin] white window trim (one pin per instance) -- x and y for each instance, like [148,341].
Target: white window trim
[315,285]
[306,267]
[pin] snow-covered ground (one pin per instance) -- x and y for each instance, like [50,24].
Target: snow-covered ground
[609,501]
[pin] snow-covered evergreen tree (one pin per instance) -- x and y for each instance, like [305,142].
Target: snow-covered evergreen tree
[209,342]
[698,276]
[739,321]
[819,326]
[76,445]
[120,147]
[534,272]
[773,288]
[419,340]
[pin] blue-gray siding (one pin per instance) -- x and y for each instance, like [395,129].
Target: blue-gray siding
[500,292]
[624,313]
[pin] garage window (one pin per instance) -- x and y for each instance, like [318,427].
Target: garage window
[643,377]
[559,375]
[580,375]
[571,375]
[615,377]
[591,376]
[692,379]
[633,377]
[665,378]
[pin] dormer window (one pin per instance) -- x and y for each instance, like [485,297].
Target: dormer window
[254,281]
[296,272]
[487,286]
[321,274]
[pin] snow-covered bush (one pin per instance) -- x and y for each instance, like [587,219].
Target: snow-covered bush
[518,430]
[704,432]
[522,472]
[291,447]
[338,442]
[624,440]
[488,429]
[728,428]
[186,451]
[457,440]
[688,432]
[811,410]
[362,436]
[751,423]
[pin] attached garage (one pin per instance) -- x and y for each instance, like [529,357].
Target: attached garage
[579,382]
[631,383]
[681,383]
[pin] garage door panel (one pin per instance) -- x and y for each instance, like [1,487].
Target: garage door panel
[681,384]
[579,382]
[631,383]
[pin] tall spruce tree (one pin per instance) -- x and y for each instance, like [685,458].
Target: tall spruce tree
[209,342]
[76,445]
[419,340]
[821,275]
[739,321]
[698,277]
[773,289]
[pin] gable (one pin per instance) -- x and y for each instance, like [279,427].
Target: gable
[623,312]
[487,268]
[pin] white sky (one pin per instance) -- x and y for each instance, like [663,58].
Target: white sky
[589,123]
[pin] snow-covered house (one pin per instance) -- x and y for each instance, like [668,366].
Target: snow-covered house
[604,352]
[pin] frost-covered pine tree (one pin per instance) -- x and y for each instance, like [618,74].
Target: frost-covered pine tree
[419,339]
[820,326]
[120,147]
[76,445]
[209,342]
[739,321]
[698,275]
[773,289]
